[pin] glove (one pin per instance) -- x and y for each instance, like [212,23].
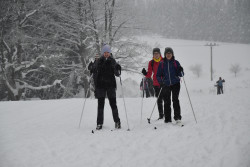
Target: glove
[181,69]
[90,66]
[118,68]
[144,72]
[162,84]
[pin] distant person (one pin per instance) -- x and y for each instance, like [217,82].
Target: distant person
[168,75]
[220,86]
[148,87]
[151,87]
[144,86]
[152,69]
[106,70]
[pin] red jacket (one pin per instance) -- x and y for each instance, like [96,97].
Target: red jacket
[154,70]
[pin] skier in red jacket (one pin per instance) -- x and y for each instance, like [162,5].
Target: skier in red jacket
[152,68]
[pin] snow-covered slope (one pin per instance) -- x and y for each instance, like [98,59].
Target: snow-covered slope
[47,133]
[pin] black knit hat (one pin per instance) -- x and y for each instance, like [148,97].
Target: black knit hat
[156,50]
[168,50]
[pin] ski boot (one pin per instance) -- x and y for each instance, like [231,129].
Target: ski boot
[118,125]
[160,116]
[99,127]
[167,121]
[179,123]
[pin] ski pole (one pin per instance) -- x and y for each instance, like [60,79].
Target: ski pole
[84,103]
[155,102]
[189,97]
[223,88]
[124,103]
[154,106]
[142,97]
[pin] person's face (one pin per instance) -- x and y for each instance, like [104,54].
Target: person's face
[157,55]
[106,54]
[169,55]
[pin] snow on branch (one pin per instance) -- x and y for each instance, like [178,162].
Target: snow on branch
[14,54]
[64,29]
[6,46]
[27,64]
[91,28]
[84,41]
[14,91]
[27,16]
[26,85]
[119,27]
[71,41]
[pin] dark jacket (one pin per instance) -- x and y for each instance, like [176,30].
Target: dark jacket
[169,72]
[106,73]
[220,82]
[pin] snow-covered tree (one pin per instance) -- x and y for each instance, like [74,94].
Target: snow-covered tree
[235,68]
[18,43]
[43,43]
[196,69]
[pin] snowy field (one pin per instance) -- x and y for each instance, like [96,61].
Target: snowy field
[46,133]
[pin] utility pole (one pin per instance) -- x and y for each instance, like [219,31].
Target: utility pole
[211,48]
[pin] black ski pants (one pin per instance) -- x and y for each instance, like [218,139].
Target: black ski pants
[159,100]
[166,93]
[146,91]
[101,94]
[219,90]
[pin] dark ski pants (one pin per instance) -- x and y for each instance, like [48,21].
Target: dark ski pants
[147,93]
[151,92]
[166,93]
[159,100]
[219,90]
[101,93]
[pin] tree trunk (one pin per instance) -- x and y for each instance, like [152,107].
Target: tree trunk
[19,52]
[97,41]
[106,21]
[111,12]
[1,52]
[9,83]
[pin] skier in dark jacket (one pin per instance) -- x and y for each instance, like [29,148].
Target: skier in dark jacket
[107,69]
[220,86]
[168,75]
[152,69]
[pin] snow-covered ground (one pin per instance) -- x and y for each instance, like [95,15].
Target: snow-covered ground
[46,133]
